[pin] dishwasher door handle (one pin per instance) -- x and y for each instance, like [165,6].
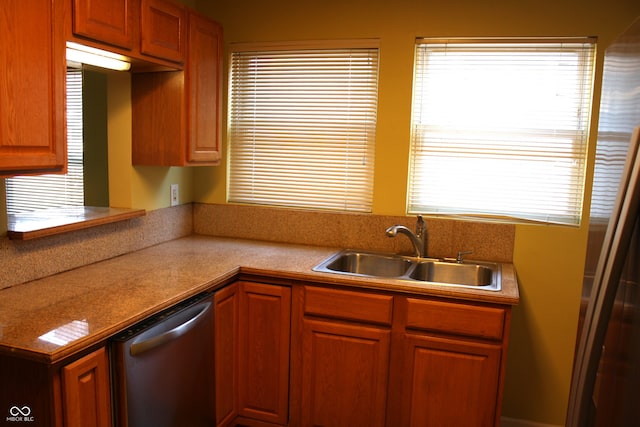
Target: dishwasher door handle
[138,348]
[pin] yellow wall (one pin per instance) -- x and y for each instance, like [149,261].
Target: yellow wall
[139,187]
[94,136]
[549,259]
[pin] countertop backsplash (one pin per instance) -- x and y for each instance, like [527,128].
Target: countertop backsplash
[489,241]
[23,261]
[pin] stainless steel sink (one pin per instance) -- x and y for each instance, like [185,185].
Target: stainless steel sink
[468,274]
[369,264]
[473,274]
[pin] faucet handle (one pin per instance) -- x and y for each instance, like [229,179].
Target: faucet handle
[462,254]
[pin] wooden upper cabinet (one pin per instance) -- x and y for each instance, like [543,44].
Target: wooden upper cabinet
[152,33]
[177,114]
[204,94]
[158,119]
[163,29]
[32,86]
[110,22]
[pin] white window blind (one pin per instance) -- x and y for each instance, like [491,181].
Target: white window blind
[31,193]
[500,128]
[618,117]
[302,127]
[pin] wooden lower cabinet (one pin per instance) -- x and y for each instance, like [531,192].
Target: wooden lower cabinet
[311,355]
[77,393]
[253,323]
[448,361]
[384,359]
[265,322]
[86,394]
[449,382]
[344,374]
[344,349]
[226,312]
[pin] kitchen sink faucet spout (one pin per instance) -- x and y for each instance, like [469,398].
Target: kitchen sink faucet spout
[419,239]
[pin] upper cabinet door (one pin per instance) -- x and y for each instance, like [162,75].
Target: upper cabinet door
[204,82]
[163,29]
[108,22]
[32,86]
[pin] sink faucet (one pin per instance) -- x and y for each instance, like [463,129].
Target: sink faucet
[419,239]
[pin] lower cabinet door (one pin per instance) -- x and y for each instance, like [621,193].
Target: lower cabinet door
[449,382]
[227,303]
[86,391]
[264,327]
[344,374]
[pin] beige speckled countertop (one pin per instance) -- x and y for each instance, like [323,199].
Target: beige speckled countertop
[99,300]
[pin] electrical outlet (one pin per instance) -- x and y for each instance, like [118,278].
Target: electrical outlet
[175,195]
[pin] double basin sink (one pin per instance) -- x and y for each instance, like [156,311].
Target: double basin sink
[471,274]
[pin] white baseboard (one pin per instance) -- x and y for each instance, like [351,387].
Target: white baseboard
[515,422]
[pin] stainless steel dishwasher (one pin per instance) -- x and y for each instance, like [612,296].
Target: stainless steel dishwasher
[163,368]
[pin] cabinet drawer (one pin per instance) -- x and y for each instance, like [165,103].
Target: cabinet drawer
[453,318]
[348,305]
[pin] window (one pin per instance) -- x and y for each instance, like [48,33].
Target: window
[618,117]
[302,126]
[31,193]
[500,128]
